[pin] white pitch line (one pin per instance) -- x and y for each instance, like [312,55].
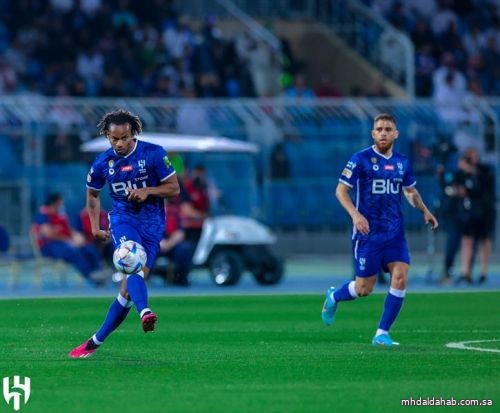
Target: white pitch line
[464,345]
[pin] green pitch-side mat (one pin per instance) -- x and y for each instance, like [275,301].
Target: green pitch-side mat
[254,354]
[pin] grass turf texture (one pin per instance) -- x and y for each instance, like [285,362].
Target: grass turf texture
[252,354]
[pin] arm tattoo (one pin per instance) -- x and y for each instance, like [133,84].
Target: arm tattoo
[416,200]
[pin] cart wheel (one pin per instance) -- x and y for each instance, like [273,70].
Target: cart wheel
[270,272]
[226,268]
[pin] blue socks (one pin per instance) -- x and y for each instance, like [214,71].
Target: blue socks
[392,307]
[120,308]
[138,291]
[117,312]
[346,292]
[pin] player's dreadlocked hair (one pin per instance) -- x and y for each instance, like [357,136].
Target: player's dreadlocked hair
[119,117]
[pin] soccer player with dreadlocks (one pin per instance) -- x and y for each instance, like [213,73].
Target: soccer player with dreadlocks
[140,177]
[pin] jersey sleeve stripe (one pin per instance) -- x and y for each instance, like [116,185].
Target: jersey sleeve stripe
[345,183]
[168,176]
[411,186]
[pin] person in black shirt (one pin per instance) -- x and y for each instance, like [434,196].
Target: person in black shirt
[477,212]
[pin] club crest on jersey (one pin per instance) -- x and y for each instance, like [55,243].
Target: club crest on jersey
[126,168]
[388,167]
[142,166]
[373,160]
[111,163]
[400,167]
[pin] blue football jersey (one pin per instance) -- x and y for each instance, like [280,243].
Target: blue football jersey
[146,166]
[379,181]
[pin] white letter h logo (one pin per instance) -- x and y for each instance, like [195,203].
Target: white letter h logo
[18,390]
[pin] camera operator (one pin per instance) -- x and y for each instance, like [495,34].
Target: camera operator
[445,155]
[477,212]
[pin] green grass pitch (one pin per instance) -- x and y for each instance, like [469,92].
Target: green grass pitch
[253,354]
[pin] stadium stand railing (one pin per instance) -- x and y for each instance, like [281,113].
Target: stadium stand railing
[318,136]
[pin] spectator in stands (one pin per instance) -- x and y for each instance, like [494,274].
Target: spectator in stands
[56,239]
[477,212]
[8,77]
[425,65]
[422,34]
[174,244]
[326,88]
[450,90]
[443,17]
[299,88]
[279,164]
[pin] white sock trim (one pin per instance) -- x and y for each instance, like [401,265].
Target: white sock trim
[380,331]
[122,300]
[146,310]
[352,289]
[141,273]
[397,293]
[96,341]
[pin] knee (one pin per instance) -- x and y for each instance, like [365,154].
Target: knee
[364,290]
[399,280]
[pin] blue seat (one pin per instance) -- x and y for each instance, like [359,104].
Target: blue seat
[284,213]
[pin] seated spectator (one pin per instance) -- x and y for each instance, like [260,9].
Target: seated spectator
[326,88]
[174,244]
[56,239]
[195,203]
[299,88]
[104,247]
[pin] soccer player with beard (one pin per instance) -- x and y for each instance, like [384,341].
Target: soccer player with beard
[380,175]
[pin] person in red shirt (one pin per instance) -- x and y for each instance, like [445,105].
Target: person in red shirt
[56,239]
[194,212]
[174,244]
[105,248]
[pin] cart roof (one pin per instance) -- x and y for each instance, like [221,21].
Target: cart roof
[180,143]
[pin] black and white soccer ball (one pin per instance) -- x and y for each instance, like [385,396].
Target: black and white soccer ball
[130,257]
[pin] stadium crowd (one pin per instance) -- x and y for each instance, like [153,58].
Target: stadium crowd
[457,43]
[127,48]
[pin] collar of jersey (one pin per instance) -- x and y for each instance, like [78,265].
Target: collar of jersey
[378,153]
[130,153]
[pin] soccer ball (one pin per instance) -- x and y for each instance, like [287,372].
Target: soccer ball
[129,257]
